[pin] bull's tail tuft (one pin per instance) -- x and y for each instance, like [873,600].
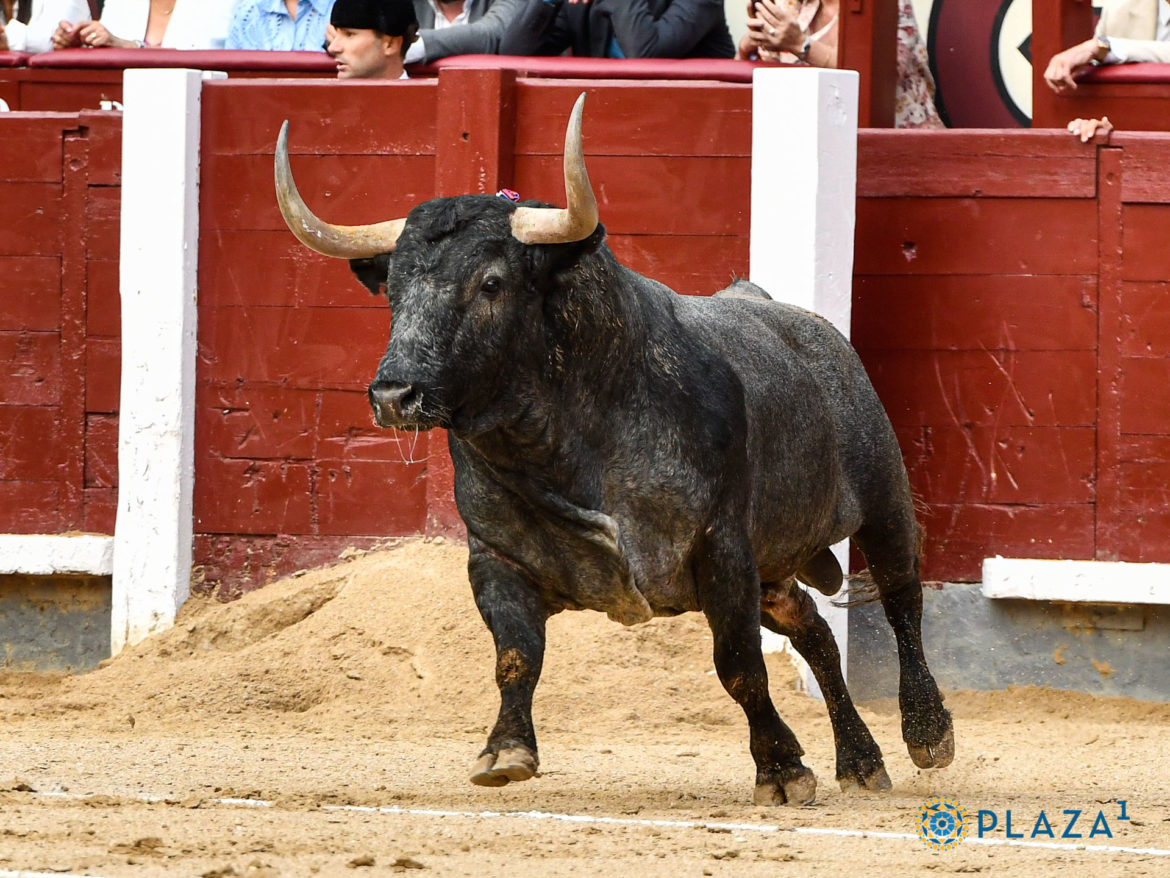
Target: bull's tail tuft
[860,588]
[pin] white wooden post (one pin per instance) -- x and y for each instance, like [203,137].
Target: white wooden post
[804,190]
[159,259]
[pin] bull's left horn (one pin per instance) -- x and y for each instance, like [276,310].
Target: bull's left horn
[344,242]
[546,225]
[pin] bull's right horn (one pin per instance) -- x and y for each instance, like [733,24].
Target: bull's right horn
[547,225]
[343,242]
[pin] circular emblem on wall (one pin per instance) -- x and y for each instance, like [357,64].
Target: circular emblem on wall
[1011,57]
[942,823]
[980,55]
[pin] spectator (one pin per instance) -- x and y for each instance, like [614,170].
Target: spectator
[28,25]
[280,25]
[368,38]
[1128,30]
[620,29]
[460,27]
[805,32]
[170,24]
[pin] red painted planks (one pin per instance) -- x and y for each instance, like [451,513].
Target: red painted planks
[660,196]
[959,537]
[30,215]
[629,118]
[1030,465]
[303,347]
[243,117]
[1145,402]
[103,211]
[1144,536]
[31,146]
[966,312]
[1145,475]
[236,192]
[253,421]
[252,496]
[103,374]
[1145,231]
[101,451]
[30,508]
[1143,166]
[231,565]
[70,91]
[371,497]
[30,368]
[688,264]
[104,133]
[1009,164]
[99,510]
[975,236]
[103,301]
[30,293]
[1145,320]
[475,125]
[993,388]
[248,268]
[31,449]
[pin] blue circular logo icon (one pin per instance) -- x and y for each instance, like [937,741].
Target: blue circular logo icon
[942,823]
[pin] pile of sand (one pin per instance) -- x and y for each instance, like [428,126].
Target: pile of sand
[391,637]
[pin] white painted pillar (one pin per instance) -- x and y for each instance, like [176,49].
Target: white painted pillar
[159,259]
[804,190]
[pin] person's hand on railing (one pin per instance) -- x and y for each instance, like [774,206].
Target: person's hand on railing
[89,35]
[1086,129]
[3,38]
[1062,69]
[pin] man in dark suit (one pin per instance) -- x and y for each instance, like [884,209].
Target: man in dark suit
[620,29]
[460,27]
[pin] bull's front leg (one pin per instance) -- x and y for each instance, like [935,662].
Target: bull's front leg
[516,615]
[729,594]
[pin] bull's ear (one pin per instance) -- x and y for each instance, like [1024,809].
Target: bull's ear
[553,258]
[372,272]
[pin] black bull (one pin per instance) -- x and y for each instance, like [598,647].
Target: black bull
[621,448]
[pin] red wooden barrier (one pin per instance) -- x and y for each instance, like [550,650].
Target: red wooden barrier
[1008,297]
[58,322]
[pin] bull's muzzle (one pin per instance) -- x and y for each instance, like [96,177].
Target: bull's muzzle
[396,404]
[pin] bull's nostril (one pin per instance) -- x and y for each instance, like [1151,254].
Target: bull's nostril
[392,400]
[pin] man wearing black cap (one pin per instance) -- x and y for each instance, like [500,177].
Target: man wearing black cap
[368,38]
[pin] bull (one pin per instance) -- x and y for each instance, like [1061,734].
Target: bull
[621,448]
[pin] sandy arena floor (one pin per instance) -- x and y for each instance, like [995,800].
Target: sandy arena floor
[326,724]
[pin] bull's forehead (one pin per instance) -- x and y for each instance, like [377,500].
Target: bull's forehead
[449,239]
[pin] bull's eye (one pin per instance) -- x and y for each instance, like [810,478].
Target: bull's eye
[490,286]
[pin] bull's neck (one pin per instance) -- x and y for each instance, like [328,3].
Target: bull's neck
[604,327]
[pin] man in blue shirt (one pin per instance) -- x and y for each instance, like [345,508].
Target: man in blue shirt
[280,25]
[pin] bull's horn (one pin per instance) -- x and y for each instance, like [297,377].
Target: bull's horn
[546,225]
[344,242]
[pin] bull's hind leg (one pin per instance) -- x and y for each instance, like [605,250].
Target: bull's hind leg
[729,597]
[889,544]
[787,609]
[516,616]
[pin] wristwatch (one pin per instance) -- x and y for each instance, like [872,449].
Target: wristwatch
[1101,52]
[805,48]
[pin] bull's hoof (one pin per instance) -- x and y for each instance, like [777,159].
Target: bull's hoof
[937,755]
[789,787]
[876,781]
[497,769]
